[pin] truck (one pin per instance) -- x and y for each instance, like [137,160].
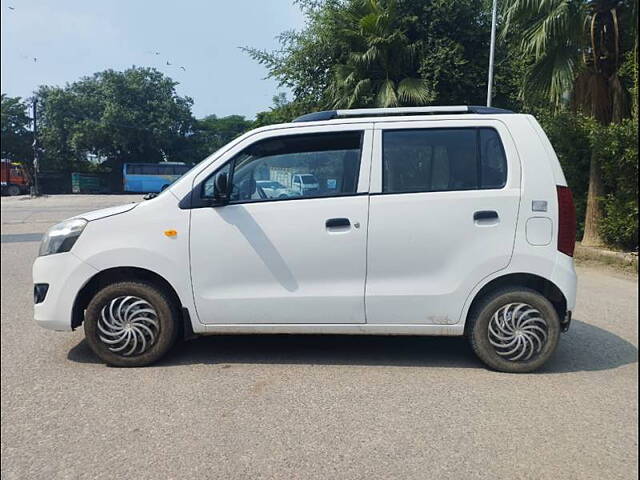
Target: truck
[14,178]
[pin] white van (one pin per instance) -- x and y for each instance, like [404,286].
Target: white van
[426,221]
[306,184]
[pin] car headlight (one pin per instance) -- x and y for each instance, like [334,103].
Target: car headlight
[61,237]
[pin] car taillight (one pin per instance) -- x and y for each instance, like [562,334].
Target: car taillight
[566,221]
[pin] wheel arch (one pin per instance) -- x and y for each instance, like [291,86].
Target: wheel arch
[115,274]
[535,282]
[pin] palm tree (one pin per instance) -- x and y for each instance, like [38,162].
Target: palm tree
[380,69]
[577,49]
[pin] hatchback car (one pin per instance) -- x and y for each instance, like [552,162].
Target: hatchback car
[425,221]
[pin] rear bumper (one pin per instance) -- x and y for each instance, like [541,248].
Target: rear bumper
[65,274]
[565,277]
[565,323]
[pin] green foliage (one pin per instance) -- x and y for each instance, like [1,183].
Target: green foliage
[381,68]
[576,49]
[130,116]
[617,147]
[211,133]
[359,53]
[283,111]
[575,138]
[16,137]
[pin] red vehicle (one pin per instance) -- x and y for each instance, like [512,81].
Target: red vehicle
[14,179]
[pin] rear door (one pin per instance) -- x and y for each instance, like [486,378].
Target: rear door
[443,214]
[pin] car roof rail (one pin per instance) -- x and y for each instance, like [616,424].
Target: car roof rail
[381,112]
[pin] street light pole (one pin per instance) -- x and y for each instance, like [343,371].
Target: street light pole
[494,14]
[36,166]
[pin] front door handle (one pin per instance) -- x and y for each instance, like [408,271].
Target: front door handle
[338,223]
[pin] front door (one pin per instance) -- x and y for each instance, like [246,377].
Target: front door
[300,258]
[443,214]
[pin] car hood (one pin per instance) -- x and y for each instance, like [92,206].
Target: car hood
[107,212]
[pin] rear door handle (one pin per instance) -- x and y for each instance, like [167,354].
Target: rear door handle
[485,215]
[338,223]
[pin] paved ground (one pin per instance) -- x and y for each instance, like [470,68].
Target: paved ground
[312,407]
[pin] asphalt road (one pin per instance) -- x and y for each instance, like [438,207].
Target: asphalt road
[311,406]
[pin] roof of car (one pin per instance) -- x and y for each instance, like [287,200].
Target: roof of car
[399,111]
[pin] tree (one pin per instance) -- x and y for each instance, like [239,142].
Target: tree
[360,53]
[16,137]
[283,111]
[381,69]
[130,116]
[577,49]
[217,132]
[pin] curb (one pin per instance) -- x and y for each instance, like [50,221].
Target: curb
[627,260]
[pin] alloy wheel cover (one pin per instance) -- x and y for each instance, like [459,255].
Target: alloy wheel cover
[128,325]
[518,331]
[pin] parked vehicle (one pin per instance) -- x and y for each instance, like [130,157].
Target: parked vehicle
[151,177]
[305,184]
[14,179]
[430,221]
[274,189]
[88,183]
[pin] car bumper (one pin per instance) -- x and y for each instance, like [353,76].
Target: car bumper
[65,274]
[565,277]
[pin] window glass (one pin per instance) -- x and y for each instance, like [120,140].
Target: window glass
[494,162]
[297,166]
[148,169]
[165,169]
[440,159]
[209,186]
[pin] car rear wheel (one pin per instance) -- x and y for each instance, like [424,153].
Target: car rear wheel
[514,330]
[130,324]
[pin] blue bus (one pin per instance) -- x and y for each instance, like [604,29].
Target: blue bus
[151,177]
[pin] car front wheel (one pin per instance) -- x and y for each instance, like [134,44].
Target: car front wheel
[130,324]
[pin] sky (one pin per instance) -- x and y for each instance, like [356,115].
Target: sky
[74,38]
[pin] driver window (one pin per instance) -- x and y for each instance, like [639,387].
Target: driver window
[297,166]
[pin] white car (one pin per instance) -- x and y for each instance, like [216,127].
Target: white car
[273,189]
[439,221]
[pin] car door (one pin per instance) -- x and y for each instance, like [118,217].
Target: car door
[444,204]
[298,259]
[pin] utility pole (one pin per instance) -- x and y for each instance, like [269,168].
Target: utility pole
[36,166]
[494,14]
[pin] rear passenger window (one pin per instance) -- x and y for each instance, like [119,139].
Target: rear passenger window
[442,159]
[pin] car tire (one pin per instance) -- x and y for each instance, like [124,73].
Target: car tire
[514,330]
[131,324]
[13,190]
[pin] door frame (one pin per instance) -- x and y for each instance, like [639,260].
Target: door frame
[364,175]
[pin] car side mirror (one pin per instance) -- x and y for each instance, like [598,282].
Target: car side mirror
[221,193]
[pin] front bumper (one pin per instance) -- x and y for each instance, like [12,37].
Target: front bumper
[65,274]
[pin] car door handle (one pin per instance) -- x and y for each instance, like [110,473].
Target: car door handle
[485,215]
[338,223]
[486,218]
